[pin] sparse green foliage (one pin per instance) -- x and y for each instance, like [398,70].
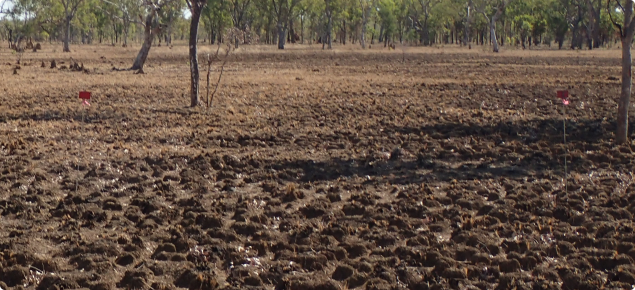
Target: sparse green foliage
[520,23]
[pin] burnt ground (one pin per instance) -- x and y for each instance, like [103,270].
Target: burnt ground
[436,168]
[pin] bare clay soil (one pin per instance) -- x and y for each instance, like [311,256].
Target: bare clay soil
[416,168]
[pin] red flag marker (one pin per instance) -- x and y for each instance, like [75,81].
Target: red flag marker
[84,95]
[564,96]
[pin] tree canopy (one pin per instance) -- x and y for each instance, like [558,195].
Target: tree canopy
[526,23]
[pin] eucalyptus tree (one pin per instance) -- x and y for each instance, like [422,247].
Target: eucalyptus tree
[169,14]
[401,17]
[304,11]
[196,8]
[351,21]
[22,19]
[282,12]
[125,11]
[329,9]
[70,9]
[521,15]
[420,16]
[386,13]
[626,30]
[469,7]
[446,15]
[239,10]
[594,8]
[366,7]
[216,17]
[492,11]
[558,12]
[151,28]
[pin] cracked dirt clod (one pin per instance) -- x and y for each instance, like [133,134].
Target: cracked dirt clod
[440,172]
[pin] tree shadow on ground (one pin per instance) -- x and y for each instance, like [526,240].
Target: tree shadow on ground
[532,148]
[128,114]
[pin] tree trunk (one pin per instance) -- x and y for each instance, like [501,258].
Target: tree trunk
[126,29]
[281,35]
[291,32]
[362,39]
[625,96]
[372,35]
[329,31]
[344,33]
[67,33]
[196,16]
[590,43]
[492,31]
[148,37]
[576,37]
[593,27]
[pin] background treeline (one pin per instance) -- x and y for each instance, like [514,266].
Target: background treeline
[521,23]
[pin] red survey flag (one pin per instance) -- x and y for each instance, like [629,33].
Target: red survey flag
[84,95]
[564,95]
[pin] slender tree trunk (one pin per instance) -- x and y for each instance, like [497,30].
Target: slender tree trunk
[576,37]
[344,33]
[625,96]
[492,31]
[113,37]
[593,27]
[148,38]
[329,31]
[503,35]
[302,29]
[67,33]
[362,38]
[196,16]
[466,34]
[281,35]
[372,35]
[291,32]
[589,35]
[126,27]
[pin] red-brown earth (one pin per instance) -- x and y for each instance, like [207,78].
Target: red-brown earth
[435,168]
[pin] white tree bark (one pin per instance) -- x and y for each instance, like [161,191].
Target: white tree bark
[492,33]
[492,22]
[365,10]
[626,35]
[148,38]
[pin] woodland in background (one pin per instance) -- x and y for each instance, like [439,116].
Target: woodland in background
[528,23]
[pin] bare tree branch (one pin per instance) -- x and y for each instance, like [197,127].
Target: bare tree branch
[617,25]
[619,5]
[2,10]
[131,20]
